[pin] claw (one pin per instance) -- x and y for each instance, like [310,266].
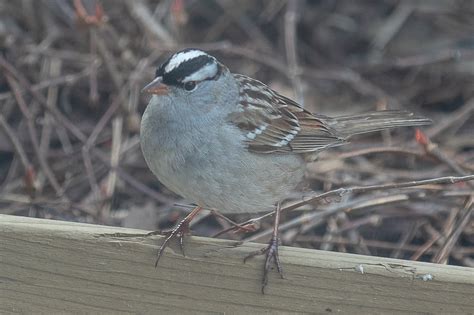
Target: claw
[178,232]
[271,252]
[271,257]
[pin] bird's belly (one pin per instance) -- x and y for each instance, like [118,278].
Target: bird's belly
[229,180]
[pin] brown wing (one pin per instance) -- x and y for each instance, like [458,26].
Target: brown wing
[282,127]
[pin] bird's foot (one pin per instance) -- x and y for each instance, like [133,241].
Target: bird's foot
[271,257]
[177,233]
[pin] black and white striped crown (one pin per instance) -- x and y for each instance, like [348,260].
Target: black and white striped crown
[189,65]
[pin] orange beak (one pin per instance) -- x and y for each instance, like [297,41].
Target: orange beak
[156,87]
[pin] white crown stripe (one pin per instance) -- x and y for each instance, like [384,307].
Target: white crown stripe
[181,57]
[208,71]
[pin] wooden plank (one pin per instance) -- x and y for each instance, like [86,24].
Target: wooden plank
[54,266]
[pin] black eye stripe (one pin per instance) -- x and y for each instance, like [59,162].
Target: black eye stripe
[159,70]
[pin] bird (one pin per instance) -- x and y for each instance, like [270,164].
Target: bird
[229,142]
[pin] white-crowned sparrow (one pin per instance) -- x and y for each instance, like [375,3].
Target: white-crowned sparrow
[228,142]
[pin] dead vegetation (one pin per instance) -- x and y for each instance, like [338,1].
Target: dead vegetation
[70,107]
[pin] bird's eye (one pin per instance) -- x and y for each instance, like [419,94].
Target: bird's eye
[189,86]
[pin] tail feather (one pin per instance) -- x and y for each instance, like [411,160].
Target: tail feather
[350,125]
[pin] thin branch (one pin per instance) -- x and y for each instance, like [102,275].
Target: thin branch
[447,247]
[117,126]
[150,25]
[16,143]
[67,79]
[291,17]
[359,189]
[344,191]
[32,131]
[9,68]
[385,149]
[451,119]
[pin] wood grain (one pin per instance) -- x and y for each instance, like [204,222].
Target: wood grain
[63,267]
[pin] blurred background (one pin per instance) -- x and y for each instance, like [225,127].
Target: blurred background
[70,107]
